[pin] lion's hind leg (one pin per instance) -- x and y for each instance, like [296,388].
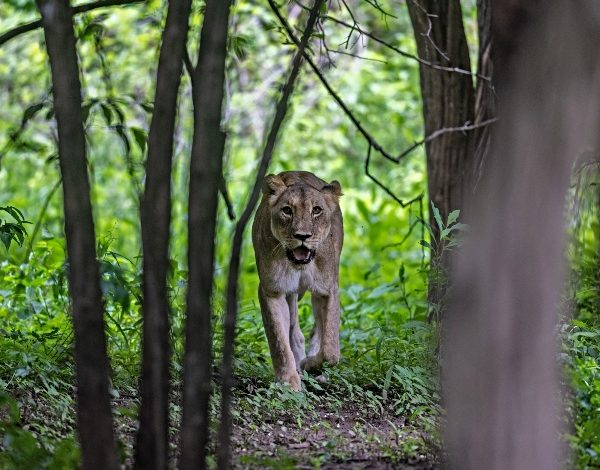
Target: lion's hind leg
[324,341]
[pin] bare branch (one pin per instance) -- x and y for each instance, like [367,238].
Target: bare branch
[387,190]
[408,55]
[361,129]
[355,26]
[445,130]
[429,29]
[225,193]
[27,27]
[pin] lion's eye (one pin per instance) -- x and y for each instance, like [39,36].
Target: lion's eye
[286,210]
[317,210]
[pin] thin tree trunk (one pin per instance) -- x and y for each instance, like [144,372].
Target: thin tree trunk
[502,375]
[205,177]
[91,362]
[224,451]
[152,438]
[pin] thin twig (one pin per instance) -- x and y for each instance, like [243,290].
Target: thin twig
[356,56]
[378,7]
[27,27]
[40,219]
[430,28]
[225,193]
[408,55]
[362,32]
[446,130]
[401,242]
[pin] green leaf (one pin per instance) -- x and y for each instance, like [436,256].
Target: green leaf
[15,213]
[388,378]
[453,217]
[6,237]
[437,216]
[140,137]
[31,112]
[425,244]
[120,130]
[107,113]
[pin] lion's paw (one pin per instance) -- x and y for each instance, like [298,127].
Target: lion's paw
[293,380]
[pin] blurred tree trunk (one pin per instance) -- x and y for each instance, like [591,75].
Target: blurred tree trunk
[485,100]
[501,371]
[152,438]
[91,362]
[208,80]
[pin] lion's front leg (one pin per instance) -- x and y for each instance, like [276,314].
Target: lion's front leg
[326,309]
[276,320]
[296,336]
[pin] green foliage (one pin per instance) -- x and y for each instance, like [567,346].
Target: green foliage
[388,368]
[581,355]
[13,231]
[22,447]
[581,335]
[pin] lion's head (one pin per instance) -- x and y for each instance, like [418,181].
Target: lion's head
[300,215]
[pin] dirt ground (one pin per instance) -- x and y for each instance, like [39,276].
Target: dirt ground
[345,439]
[341,440]
[348,438]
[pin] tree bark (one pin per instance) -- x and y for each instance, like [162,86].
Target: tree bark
[448,100]
[152,438]
[205,176]
[91,362]
[224,451]
[501,373]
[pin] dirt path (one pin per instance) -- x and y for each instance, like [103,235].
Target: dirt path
[344,440]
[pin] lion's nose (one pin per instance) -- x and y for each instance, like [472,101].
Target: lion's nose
[302,236]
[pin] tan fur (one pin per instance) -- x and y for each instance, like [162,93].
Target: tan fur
[282,282]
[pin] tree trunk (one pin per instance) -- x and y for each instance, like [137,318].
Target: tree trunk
[152,438]
[448,101]
[502,375]
[91,362]
[205,176]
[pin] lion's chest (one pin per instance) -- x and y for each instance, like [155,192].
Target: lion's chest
[288,279]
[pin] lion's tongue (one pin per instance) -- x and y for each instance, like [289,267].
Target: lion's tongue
[301,253]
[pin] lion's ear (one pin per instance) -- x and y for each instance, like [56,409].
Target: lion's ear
[334,188]
[273,185]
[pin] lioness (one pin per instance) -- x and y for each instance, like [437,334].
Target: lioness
[297,236]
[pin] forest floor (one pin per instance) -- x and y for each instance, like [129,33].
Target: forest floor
[350,437]
[343,439]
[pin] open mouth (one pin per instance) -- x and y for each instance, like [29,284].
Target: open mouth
[300,255]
